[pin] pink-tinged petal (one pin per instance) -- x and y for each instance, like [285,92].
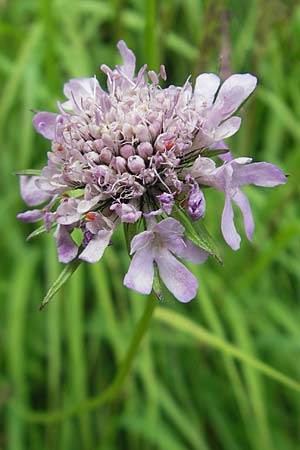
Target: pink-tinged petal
[205,90]
[30,192]
[45,123]
[178,279]
[168,227]
[242,202]
[95,248]
[228,128]
[229,232]
[184,248]
[141,271]
[128,59]
[260,174]
[66,247]
[31,216]
[233,93]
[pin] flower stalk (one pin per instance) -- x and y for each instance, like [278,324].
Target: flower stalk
[113,390]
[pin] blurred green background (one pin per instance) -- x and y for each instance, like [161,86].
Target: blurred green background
[186,390]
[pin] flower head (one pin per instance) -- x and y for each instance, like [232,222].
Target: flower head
[136,152]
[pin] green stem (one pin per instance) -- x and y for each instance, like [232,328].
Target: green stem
[113,389]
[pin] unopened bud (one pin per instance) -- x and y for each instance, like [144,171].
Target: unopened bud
[127,150]
[136,164]
[98,145]
[107,140]
[93,156]
[94,131]
[87,146]
[145,149]
[103,174]
[155,129]
[141,132]
[127,132]
[119,164]
[106,155]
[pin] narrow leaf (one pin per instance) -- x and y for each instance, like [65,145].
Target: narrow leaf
[38,231]
[29,172]
[60,281]
[197,233]
[204,336]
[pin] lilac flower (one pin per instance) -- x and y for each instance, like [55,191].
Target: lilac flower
[217,110]
[133,154]
[100,230]
[160,244]
[229,178]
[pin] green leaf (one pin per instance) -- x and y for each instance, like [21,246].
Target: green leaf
[60,281]
[204,336]
[197,233]
[29,172]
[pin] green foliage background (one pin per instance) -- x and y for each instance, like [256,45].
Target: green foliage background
[187,389]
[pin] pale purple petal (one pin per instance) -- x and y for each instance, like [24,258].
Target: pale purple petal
[141,271]
[30,192]
[157,212]
[169,226]
[220,145]
[242,202]
[78,89]
[260,174]
[95,248]
[184,248]
[85,205]
[31,216]
[166,202]
[127,212]
[68,219]
[128,59]
[140,241]
[205,89]
[228,128]
[178,279]
[233,93]
[66,247]
[229,232]
[44,123]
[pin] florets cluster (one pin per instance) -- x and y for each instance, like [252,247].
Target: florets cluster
[137,153]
